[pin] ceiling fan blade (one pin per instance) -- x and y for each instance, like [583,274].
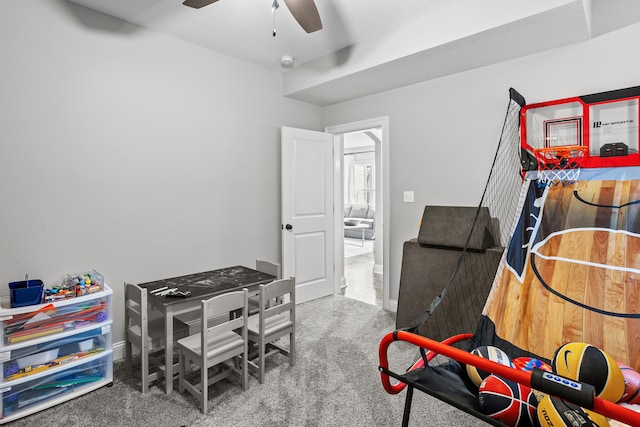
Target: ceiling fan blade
[197,4]
[306,14]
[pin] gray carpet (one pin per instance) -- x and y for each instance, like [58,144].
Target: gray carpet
[335,382]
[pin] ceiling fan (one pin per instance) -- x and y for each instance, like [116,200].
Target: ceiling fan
[304,11]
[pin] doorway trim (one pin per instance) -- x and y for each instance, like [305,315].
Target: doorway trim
[382,197]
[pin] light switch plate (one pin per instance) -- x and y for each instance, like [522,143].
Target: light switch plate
[408,196]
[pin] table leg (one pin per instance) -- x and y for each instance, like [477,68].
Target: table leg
[168,350]
[362,229]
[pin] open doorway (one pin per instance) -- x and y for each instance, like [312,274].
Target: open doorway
[373,194]
[362,282]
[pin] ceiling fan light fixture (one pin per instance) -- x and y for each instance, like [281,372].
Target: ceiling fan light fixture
[286,61]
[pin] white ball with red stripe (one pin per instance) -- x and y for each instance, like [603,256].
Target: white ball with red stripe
[487,352]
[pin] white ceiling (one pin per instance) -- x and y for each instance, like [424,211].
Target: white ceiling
[368,46]
[362,140]
[243,28]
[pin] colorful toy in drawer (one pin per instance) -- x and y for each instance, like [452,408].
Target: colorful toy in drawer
[12,374]
[58,293]
[42,389]
[75,285]
[85,283]
[54,320]
[25,361]
[26,292]
[87,288]
[27,364]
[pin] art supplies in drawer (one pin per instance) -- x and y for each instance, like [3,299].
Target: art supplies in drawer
[75,285]
[51,319]
[33,291]
[54,351]
[27,394]
[43,357]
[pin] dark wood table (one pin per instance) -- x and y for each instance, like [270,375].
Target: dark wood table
[202,286]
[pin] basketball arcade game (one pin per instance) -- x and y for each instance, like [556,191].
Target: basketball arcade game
[569,271]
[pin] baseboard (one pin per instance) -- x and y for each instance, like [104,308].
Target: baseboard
[377,269]
[118,351]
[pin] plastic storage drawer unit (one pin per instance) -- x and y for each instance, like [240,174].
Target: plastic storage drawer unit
[53,352]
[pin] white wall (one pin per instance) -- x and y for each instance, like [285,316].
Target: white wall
[143,156]
[132,153]
[463,114]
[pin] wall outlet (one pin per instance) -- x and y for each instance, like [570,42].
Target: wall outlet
[408,196]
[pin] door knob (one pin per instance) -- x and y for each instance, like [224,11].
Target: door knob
[288,226]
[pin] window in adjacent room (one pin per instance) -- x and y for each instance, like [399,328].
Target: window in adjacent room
[360,178]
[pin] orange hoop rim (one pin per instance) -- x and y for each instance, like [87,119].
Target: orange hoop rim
[561,152]
[560,164]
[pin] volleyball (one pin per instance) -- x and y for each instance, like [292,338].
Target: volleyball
[587,363]
[555,412]
[488,352]
[507,401]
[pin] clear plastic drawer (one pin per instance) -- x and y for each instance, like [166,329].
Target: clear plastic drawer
[36,323]
[61,385]
[55,354]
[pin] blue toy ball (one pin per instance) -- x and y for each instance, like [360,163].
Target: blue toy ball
[11,369]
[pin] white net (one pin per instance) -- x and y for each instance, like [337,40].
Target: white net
[559,165]
[552,177]
[464,294]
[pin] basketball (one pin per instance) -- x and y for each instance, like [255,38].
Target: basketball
[555,412]
[488,352]
[528,363]
[507,401]
[631,384]
[586,363]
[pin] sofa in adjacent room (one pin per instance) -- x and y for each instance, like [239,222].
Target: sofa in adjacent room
[360,214]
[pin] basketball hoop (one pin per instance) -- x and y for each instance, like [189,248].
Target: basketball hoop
[559,165]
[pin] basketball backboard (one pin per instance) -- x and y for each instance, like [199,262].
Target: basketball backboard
[606,123]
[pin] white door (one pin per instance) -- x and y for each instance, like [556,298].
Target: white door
[307,211]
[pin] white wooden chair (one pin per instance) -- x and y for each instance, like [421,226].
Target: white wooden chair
[192,320]
[272,268]
[275,319]
[146,333]
[215,345]
[268,267]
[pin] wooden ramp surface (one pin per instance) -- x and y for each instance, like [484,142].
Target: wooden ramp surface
[588,255]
